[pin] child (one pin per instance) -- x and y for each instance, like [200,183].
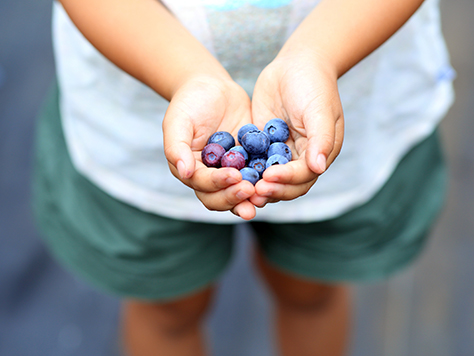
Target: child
[111,210]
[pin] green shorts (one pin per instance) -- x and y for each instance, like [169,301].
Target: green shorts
[136,254]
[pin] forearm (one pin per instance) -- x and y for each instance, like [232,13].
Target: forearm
[145,40]
[346,31]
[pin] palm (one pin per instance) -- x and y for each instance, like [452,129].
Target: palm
[200,108]
[298,93]
[204,108]
[306,97]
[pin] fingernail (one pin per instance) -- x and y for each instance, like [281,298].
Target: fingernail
[231,180]
[242,195]
[321,162]
[272,179]
[181,169]
[266,194]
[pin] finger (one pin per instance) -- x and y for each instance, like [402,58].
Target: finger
[177,136]
[277,191]
[210,180]
[228,198]
[337,142]
[258,201]
[245,210]
[322,147]
[294,172]
[261,202]
[321,122]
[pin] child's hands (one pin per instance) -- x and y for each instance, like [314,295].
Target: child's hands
[302,90]
[300,85]
[200,107]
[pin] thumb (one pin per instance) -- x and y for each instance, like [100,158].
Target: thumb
[324,131]
[181,157]
[177,138]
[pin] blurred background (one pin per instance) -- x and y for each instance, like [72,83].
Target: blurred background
[428,310]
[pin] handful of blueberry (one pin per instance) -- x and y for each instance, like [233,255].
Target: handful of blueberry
[258,151]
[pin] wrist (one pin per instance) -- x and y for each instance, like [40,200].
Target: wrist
[167,85]
[344,31]
[209,77]
[218,80]
[306,57]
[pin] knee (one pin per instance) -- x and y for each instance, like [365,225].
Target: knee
[174,318]
[295,294]
[310,298]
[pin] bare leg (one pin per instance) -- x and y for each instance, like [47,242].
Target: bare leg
[165,329]
[312,318]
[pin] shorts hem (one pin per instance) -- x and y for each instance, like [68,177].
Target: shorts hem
[87,261]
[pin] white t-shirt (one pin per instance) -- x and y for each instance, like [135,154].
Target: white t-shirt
[392,100]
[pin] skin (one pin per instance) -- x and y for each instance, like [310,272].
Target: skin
[304,95]
[299,85]
[203,97]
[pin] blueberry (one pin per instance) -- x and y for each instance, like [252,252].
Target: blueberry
[211,155]
[250,174]
[256,142]
[258,164]
[223,138]
[280,148]
[277,130]
[241,150]
[233,159]
[244,129]
[275,159]
[261,155]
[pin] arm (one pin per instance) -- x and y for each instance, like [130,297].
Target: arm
[142,38]
[346,31]
[300,85]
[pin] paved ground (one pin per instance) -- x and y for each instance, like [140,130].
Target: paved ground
[44,311]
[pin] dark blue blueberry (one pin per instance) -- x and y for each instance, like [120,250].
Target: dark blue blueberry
[258,164]
[211,155]
[277,130]
[244,129]
[233,159]
[241,150]
[262,155]
[222,138]
[275,159]
[256,142]
[280,148]
[250,174]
